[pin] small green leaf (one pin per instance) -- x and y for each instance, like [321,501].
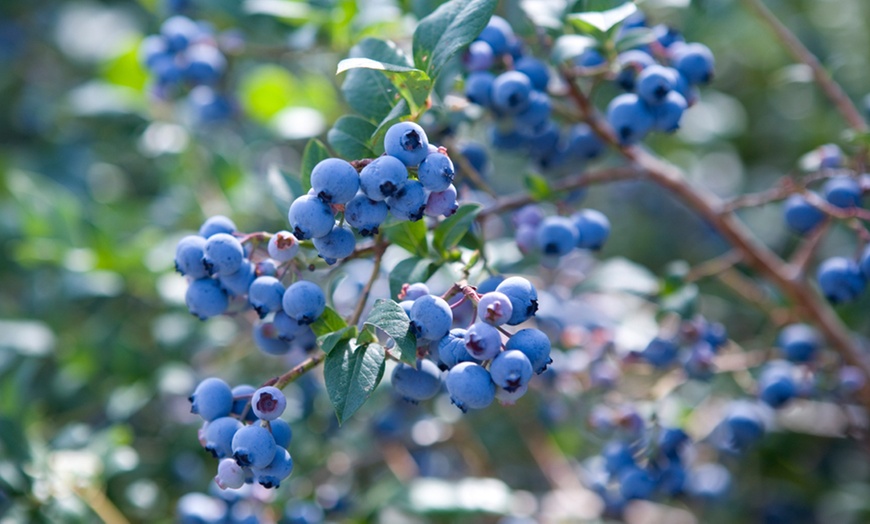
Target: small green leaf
[538,187]
[351,375]
[368,91]
[314,152]
[329,341]
[446,31]
[389,316]
[635,37]
[414,269]
[568,47]
[409,235]
[329,322]
[593,22]
[413,84]
[350,137]
[451,230]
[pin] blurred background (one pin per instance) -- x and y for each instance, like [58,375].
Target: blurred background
[100,177]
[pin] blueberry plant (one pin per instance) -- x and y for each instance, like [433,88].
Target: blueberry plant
[442,266]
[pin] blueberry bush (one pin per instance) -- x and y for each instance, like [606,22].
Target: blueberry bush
[434,261]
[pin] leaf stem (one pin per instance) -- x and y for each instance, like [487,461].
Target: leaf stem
[300,369]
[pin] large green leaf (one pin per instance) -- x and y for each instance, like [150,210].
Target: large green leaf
[314,152]
[409,235]
[351,374]
[350,137]
[410,270]
[451,27]
[367,90]
[449,232]
[391,318]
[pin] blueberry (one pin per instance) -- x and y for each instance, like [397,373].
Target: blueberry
[830,156]
[409,202]
[671,441]
[188,256]
[617,457]
[304,301]
[498,34]
[441,203]
[557,236]
[636,483]
[523,296]
[241,398]
[223,254]
[268,403]
[219,436]
[840,280]
[655,82]
[436,172]
[536,113]
[230,475]
[668,113]
[209,106]
[283,246]
[511,91]
[286,328]
[535,344]
[776,386]
[253,446]
[583,143]
[660,352]
[217,224]
[152,49]
[205,64]
[511,370]
[281,432]
[416,383]
[365,214]
[310,217]
[799,342]
[334,181]
[179,32]
[590,58]
[631,63]
[431,318]
[451,348]
[238,283]
[666,35]
[482,341]
[695,62]
[476,155]
[744,425]
[407,141]
[206,298]
[630,118]
[211,399]
[337,244]
[536,70]
[478,56]
[470,386]
[801,216]
[593,228]
[414,291]
[278,469]
[494,308]
[843,192]
[478,88]
[490,284]
[383,177]
[698,362]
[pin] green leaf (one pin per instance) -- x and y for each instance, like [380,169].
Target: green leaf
[391,318]
[314,152]
[594,22]
[414,269]
[451,230]
[451,27]
[368,63]
[282,187]
[538,187]
[350,137]
[329,341]
[329,322]
[545,13]
[414,86]
[635,37]
[568,47]
[400,111]
[409,235]
[351,375]
[368,91]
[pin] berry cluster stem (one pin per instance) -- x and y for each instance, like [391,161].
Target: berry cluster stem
[300,369]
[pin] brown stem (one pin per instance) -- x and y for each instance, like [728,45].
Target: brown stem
[714,266]
[379,249]
[802,257]
[302,368]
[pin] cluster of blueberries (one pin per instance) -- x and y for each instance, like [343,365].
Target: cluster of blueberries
[694,347]
[483,362]
[559,235]
[414,178]
[184,57]
[841,279]
[241,427]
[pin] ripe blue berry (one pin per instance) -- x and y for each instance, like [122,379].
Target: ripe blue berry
[744,425]
[281,432]
[478,88]
[286,328]
[268,403]
[636,483]
[470,386]
[204,64]
[383,177]
[478,57]
[630,118]
[253,446]
[431,318]
[511,91]
[843,192]
[241,398]
[277,470]
[695,62]
[498,34]
[206,298]
[590,58]
[414,291]
[668,113]
[655,82]
[631,63]
[840,280]
[238,282]
[436,172]
[365,214]
[494,308]
[482,341]
[409,202]
[230,475]
[660,352]
[283,246]
[451,348]
[310,217]
[442,203]
[523,297]
[304,301]
[268,339]
[536,70]
[408,142]
[536,113]
[265,295]
[776,386]
[557,236]
[211,399]
[219,436]
[593,228]
[179,31]
[617,457]
[416,383]
[535,344]
[801,216]
[188,256]
[511,370]
[223,254]
[338,243]
[583,143]
[334,181]
[799,342]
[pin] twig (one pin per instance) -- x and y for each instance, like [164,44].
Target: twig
[379,249]
[469,170]
[302,368]
[714,266]
[801,258]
